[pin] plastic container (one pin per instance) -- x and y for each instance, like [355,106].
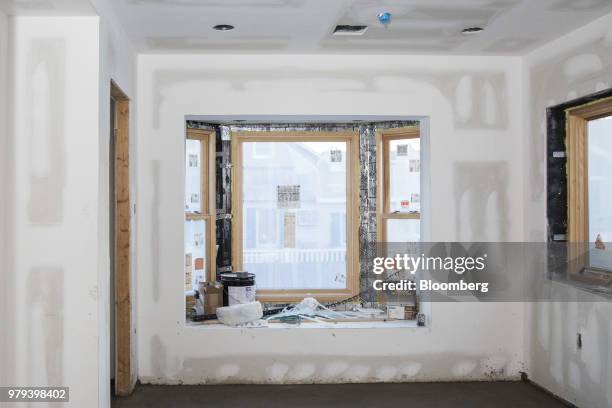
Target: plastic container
[238,287]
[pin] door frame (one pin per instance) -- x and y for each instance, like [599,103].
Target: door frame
[125,378]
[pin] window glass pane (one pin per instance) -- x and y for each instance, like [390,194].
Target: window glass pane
[600,179]
[405,175]
[600,191]
[193,176]
[294,198]
[195,253]
[403,230]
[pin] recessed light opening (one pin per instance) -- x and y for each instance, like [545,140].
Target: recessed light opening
[472,30]
[223,27]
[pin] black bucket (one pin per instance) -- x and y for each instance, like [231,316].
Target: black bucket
[238,287]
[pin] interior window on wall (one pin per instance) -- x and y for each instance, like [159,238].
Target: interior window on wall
[297,180]
[300,210]
[600,179]
[193,176]
[195,253]
[199,233]
[590,185]
[399,185]
[599,157]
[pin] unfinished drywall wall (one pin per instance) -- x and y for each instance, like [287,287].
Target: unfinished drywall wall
[465,341]
[572,66]
[4,157]
[51,258]
[117,63]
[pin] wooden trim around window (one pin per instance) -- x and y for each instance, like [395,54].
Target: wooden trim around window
[209,213]
[352,223]
[577,179]
[576,141]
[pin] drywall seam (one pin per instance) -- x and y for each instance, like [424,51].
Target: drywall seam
[53,270]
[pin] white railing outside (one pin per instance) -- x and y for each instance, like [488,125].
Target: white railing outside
[292,255]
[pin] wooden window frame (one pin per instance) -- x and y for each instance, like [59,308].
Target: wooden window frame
[352,214]
[207,199]
[383,171]
[578,119]
[576,141]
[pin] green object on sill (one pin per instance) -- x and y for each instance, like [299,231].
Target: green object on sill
[295,319]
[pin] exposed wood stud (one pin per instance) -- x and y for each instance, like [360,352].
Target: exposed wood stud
[125,377]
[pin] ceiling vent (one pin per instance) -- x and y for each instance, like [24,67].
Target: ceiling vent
[350,29]
[471,30]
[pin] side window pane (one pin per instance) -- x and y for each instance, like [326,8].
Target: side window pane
[193,176]
[402,230]
[600,191]
[600,179]
[291,191]
[405,175]
[195,253]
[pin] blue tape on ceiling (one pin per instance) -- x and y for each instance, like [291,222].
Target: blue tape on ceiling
[384,18]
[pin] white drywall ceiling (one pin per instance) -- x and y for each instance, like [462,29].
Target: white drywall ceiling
[47,7]
[304,26]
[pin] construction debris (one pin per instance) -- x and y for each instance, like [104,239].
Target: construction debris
[239,314]
[308,309]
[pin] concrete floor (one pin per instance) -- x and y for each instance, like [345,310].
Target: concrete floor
[417,395]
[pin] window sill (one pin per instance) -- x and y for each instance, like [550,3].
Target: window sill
[386,324]
[584,284]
